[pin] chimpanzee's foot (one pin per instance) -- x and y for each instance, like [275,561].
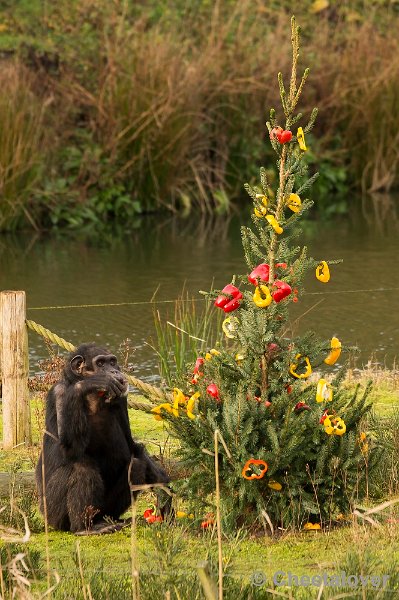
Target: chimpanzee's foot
[105,527]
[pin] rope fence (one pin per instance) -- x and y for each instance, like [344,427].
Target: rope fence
[14,358]
[14,363]
[190,300]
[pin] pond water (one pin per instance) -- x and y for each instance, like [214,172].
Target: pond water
[359,305]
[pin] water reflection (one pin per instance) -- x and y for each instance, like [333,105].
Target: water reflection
[166,254]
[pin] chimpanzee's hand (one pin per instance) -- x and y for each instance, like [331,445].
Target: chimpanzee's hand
[111,384]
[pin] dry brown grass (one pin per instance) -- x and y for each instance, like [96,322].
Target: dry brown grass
[21,142]
[173,109]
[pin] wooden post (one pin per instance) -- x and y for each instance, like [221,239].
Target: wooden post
[14,362]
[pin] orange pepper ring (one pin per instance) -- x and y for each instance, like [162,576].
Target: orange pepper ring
[247,467]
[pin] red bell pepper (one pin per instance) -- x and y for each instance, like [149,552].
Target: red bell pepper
[148,512]
[154,519]
[225,301]
[273,348]
[285,136]
[207,523]
[280,134]
[198,364]
[260,272]
[300,406]
[283,290]
[232,304]
[213,391]
[275,133]
[323,417]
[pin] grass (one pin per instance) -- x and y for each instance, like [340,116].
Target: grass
[153,106]
[105,562]
[302,554]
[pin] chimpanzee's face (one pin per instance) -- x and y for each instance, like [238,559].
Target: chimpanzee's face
[91,360]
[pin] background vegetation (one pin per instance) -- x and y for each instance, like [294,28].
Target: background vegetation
[109,109]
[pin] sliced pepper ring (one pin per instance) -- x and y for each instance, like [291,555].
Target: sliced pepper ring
[294,366]
[230,327]
[324,391]
[261,209]
[334,425]
[262,296]
[275,485]
[335,353]
[294,203]
[274,223]
[323,272]
[248,473]
[300,136]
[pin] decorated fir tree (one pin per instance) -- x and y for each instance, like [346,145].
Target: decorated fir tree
[294,449]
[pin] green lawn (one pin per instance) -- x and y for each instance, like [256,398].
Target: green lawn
[184,544]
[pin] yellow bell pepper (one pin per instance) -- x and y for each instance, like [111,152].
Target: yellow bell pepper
[311,526]
[191,404]
[262,296]
[324,391]
[323,272]
[335,353]
[165,406]
[294,203]
[239,357]
[178,399]
[213,352]
[275,485]
[301,139]
[230,326]
[334,425]
[274,223]
[295,365]
[364,446]
[261,211]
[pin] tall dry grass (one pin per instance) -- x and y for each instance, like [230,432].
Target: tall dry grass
[365,105]
[177,117]
[22,148]
[169,111]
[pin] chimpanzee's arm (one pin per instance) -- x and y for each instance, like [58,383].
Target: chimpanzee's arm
[73,427]
[123,418]
[72,411]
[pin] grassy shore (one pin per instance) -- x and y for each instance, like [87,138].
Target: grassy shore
[109,109]
[167,556]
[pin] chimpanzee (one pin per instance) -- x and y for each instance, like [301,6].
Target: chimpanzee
[88,450]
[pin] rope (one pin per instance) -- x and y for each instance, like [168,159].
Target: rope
[143,406]
[147,389]
[141,302]
[351,292]
[50,336]
[104,305]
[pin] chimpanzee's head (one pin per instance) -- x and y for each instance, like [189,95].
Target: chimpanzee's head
[89,360]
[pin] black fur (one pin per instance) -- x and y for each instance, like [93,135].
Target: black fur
[88,449]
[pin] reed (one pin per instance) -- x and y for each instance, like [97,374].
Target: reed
[22,152]
[160,107]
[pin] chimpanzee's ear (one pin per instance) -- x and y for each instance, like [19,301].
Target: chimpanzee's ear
[77,364]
